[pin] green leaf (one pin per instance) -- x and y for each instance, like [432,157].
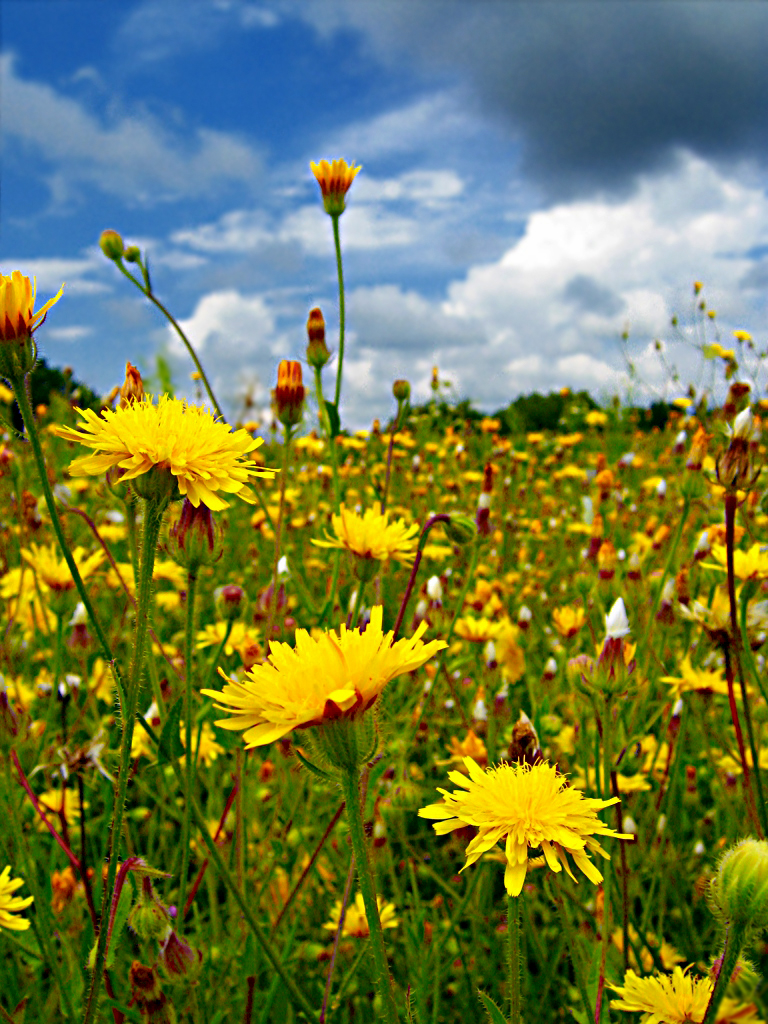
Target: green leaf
[171,746]
[495,1016]
[334,421]
[313,767]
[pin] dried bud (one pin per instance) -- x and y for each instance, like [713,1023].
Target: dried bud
[288,396]
[133,388]
[112,245]
[317,351]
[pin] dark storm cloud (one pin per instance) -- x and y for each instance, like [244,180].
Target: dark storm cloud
[597,91]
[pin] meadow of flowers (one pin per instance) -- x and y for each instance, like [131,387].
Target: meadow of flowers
[430,722]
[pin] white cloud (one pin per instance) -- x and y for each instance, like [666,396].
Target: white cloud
[126,154]
[49,273]
[68,334]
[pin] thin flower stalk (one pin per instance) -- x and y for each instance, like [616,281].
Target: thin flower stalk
[731,503]
[513,959]
[287,439]
[146,289]
[43,927]
[342,314]
[18,385]
[350,782]
[189,761]
[153,517]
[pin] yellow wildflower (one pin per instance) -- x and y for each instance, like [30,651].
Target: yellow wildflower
[356,921]
[10,905]
[529,806]
[202,454]
[372,536]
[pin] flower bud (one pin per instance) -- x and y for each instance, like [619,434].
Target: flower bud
[740,887]
[132,254]
[149,919]
[112,245]
[133,388]
[401,389]
[194,539]
[317,351]
[288,396]
[460,529]
[230,602]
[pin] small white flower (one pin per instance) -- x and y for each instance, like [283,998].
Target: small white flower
[629,825]
[587,510]
[550,668]
[434,588]
[480,711]
[699,848]
[616,621]
[489,653]
[78,616]
[661,489]
[484,501]
[283,571]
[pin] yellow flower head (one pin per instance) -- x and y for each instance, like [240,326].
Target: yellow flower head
[321,678]
[18,318]
[372,536]
[532,807]
[476,631]
[664,999]
[203,454]
[54,571]
[568,620]
[334,180]
[10,905]
[355,920]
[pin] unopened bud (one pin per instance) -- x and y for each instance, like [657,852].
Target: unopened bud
[230,601]
[740,887]
[401,389]
[132,254]
[194,539]
[149,918]
[317,351]
[112,244]
[460,529]
[288,396]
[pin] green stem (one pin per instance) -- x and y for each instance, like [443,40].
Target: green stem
[325,423]
[42,922]
[146,290]
[278,538]
[189,761]
[731,502]
[340,272]
[20,391]
[734,943]
[354,618]
[153,517]
[351,790]
[571,944]
[513,958]
[608,867]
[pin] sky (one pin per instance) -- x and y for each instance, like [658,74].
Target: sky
[537,179]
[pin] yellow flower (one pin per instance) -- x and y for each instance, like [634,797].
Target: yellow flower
[355,920]
[10,905]
[54,571]
[664,999]
[17,304]
[203,454]
[372,536]
[321,677]
[747,565]
[509,653]
[568,621]
[532,807]
[334,180]
[58,804]
[696,679]
[476,631]
[208,749]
